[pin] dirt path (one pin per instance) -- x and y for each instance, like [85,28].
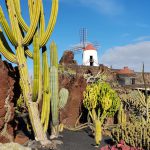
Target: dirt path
[79,141]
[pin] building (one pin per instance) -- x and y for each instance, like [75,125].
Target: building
[126,76]
[90,57]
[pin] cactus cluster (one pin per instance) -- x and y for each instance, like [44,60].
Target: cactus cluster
[21,36]
[134,134]
[101,101]
[137,104]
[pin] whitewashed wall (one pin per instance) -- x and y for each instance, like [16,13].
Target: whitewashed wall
[86,57]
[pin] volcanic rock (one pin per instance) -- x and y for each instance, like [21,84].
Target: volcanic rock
[68,58]
[7,80]
[76,86]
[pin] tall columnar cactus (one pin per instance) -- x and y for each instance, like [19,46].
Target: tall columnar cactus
[54,83]
[21,36]
[58,99]
[121,115]
[101,101]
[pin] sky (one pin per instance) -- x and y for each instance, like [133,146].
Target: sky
[121,27]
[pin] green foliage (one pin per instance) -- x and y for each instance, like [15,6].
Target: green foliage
[101,97]
[66,71]
[101,101]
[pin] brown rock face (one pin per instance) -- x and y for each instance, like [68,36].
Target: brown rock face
[21,139]
[76,86]
[7,80]
[68,58]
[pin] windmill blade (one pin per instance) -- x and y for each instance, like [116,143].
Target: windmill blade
[96,45]
[83,36]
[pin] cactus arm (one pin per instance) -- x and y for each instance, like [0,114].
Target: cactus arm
[28,53]
[19,17]
[42,21]
[4,41]
[53,55]
[98,132]
[103,116]
[46,90]
[30,5]
[10,8]
[33,25]
[8,55]
[51,24]
[36,62]
[45,87]
[7,29]
[18,5]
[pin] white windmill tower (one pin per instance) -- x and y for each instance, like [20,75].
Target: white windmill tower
[89,50]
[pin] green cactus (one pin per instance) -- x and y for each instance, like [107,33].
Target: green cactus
[21,35]
[63,97]
[121,115]
[137,104]
[101,101]
[56,101]
[136,134]
[46,91]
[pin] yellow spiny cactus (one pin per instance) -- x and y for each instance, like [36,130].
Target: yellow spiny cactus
[101,101]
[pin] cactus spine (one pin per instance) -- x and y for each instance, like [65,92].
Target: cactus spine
[21,35]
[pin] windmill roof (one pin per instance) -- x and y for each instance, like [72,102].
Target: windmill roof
[89,47]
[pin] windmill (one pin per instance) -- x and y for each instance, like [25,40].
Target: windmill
[88,50]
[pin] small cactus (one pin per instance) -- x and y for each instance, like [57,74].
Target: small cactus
[63,97]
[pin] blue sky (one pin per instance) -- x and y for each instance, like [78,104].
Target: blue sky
[121,27]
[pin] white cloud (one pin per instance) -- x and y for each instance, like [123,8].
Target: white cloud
[107,7]
[131,55]
[142,38]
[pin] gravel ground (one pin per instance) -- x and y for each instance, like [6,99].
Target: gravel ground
[79,140]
